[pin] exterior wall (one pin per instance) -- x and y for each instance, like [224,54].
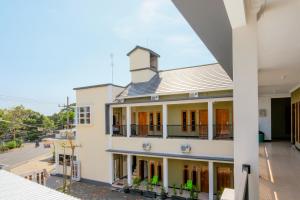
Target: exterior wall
[214,148]
[176,168]
[174,112]
[147,109]
[142,75]
[224,105]
[139,59]
[92,137]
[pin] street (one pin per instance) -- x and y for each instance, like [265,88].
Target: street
[16,157]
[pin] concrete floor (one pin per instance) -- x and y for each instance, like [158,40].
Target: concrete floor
[279,171]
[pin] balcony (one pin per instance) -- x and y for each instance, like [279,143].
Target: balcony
[146,130]
[188,131]
[119,130]
[223,132]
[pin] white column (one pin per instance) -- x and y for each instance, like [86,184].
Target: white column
[166,174]
[129,169]
[210,120]
[165,121]
[128,120]
[111,168]
[211,180]
[111,119]
[245,94]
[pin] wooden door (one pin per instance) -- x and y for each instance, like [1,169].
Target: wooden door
[204,179]
[141,169]
[223,178]
[203,122]
[143,129]
[222,121]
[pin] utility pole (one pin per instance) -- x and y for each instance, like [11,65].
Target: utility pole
[67,107]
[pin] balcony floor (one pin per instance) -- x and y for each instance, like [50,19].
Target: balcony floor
[279,164]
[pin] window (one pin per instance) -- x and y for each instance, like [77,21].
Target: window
[159,171]
[68,161]
[151,122]
[83,115]
[158,121]
[194,176]
[184,120]
[193,120]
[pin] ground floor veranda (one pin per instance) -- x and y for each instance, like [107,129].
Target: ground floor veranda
[208,178]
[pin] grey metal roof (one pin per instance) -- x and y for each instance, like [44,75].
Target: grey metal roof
[203,78]
[146,49]
[13,187]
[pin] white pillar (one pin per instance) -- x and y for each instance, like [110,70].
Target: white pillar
[165,121]
[129,169]
[111,119]
[166,174]
[211,180]
[111,168]
[245,94]
[210,120]
[128,120]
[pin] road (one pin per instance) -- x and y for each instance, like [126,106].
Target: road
[16,157]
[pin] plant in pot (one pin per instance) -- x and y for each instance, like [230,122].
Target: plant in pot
[136,186]
[174,196]
[181,189]
[193,194]
[126,188]
[149,191]
[163,193]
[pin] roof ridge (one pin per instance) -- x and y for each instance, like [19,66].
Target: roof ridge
[187,67]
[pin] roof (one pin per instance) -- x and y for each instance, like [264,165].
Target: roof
[202,78]
[14,187]
[95,86]
[146,49]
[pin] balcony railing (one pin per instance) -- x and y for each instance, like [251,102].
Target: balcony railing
[120,130]
[223,131]
[188,131]
[146,130]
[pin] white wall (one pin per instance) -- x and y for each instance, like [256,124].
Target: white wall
[265,122]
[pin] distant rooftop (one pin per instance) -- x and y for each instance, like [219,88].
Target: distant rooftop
[203,78]
[14,187]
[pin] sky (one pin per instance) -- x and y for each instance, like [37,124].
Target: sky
[49,47]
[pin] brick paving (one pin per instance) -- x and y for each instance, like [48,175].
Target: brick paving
[94,192]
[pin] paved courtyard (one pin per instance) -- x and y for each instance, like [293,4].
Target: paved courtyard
[279,171]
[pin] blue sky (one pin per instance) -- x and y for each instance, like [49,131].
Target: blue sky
[49,47]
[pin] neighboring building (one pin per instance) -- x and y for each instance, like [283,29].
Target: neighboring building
[174,124]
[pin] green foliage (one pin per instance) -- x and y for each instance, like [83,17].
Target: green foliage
[136,182]
[174,190]
[32,136]
[19,143]
[3,148]
[11,144]
[181,189]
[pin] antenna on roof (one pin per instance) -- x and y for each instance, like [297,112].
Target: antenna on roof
[112,67]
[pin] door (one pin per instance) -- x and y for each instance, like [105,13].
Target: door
[203,122]
[281,118]
[222,121]
[141,170]
[293,123]
[204,179]
[143,129]
[223,178]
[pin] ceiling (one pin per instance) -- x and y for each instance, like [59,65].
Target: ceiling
[279,46]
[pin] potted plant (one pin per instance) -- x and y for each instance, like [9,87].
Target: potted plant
[136,184]
[174,196]
[149,191]
[193,194]
[163,193]
[181,189]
